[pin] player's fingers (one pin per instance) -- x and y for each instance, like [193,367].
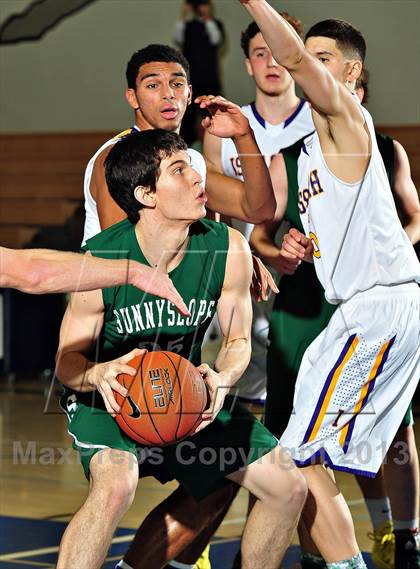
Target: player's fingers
[202,426]
[202,98]
[206,122]
[122,368]
[173,296]
[293,242]
[272,283]
[204,369]
[116,386]
[298,235]
[289,251]
[264,287]
[289,244]
[111,405]
[131,355]
[290,256]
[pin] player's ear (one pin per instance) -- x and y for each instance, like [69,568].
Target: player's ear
[130,95]
[189,94]
[146,196]
[355,70]
[248,68]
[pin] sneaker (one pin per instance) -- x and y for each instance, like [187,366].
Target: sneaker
[407,549]
[204,561]
[383,549]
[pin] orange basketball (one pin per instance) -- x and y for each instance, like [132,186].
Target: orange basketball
[165,399]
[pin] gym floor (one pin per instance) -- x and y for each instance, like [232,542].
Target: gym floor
[41,488]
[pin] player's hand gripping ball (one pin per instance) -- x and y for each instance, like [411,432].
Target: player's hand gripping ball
[165,401]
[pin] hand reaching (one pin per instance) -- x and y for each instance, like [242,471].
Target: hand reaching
[226,120]
[262,281]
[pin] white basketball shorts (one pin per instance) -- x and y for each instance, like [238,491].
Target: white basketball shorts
[356,381]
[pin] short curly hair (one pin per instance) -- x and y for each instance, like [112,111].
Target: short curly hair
[150,53]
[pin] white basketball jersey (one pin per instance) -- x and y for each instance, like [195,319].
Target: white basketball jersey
[270,139]
[92,225]
[358,239]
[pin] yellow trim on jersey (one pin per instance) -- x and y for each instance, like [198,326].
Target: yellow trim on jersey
[122,134]
[364,390]
[333,384]
[315,242]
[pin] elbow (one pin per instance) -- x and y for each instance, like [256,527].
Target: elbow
[263,214]
[294,58]
[33,281]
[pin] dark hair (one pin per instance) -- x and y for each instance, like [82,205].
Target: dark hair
[135,161]
[252,30]
[196,3]
[363,83]
[150,53]
[348,38]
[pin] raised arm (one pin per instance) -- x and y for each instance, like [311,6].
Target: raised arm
[234,311]
[405,194]
[336,113]
[252,200]
[327,95]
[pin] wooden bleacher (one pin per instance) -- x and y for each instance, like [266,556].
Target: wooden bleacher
[41,181]
[41,177]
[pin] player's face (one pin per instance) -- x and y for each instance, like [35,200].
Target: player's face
[161,96]
[269,76]
[326,50]
[180,193]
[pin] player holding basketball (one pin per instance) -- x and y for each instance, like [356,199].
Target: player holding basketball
[278,118]
[150,176]
[358,376]
[158,91]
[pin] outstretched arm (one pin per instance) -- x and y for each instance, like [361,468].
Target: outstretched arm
[324,92]
[252,200]
[41,271]
[337,117]
[234,311]
[405,194]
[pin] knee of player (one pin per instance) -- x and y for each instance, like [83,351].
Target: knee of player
[298,489]
[114,484]
[287,488]
[120,495]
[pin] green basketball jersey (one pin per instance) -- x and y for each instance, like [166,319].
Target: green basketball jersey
[137,319]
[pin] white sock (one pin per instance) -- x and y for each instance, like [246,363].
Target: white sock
[379,511]
[178,565]
[123,565]
[409,524]
[355,562]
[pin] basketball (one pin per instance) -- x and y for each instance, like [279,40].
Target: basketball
[165,399]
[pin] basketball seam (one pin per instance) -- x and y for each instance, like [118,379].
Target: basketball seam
[180,395]
[145,400]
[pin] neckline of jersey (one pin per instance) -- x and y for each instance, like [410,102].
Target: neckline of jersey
[145,261]
[285,123]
